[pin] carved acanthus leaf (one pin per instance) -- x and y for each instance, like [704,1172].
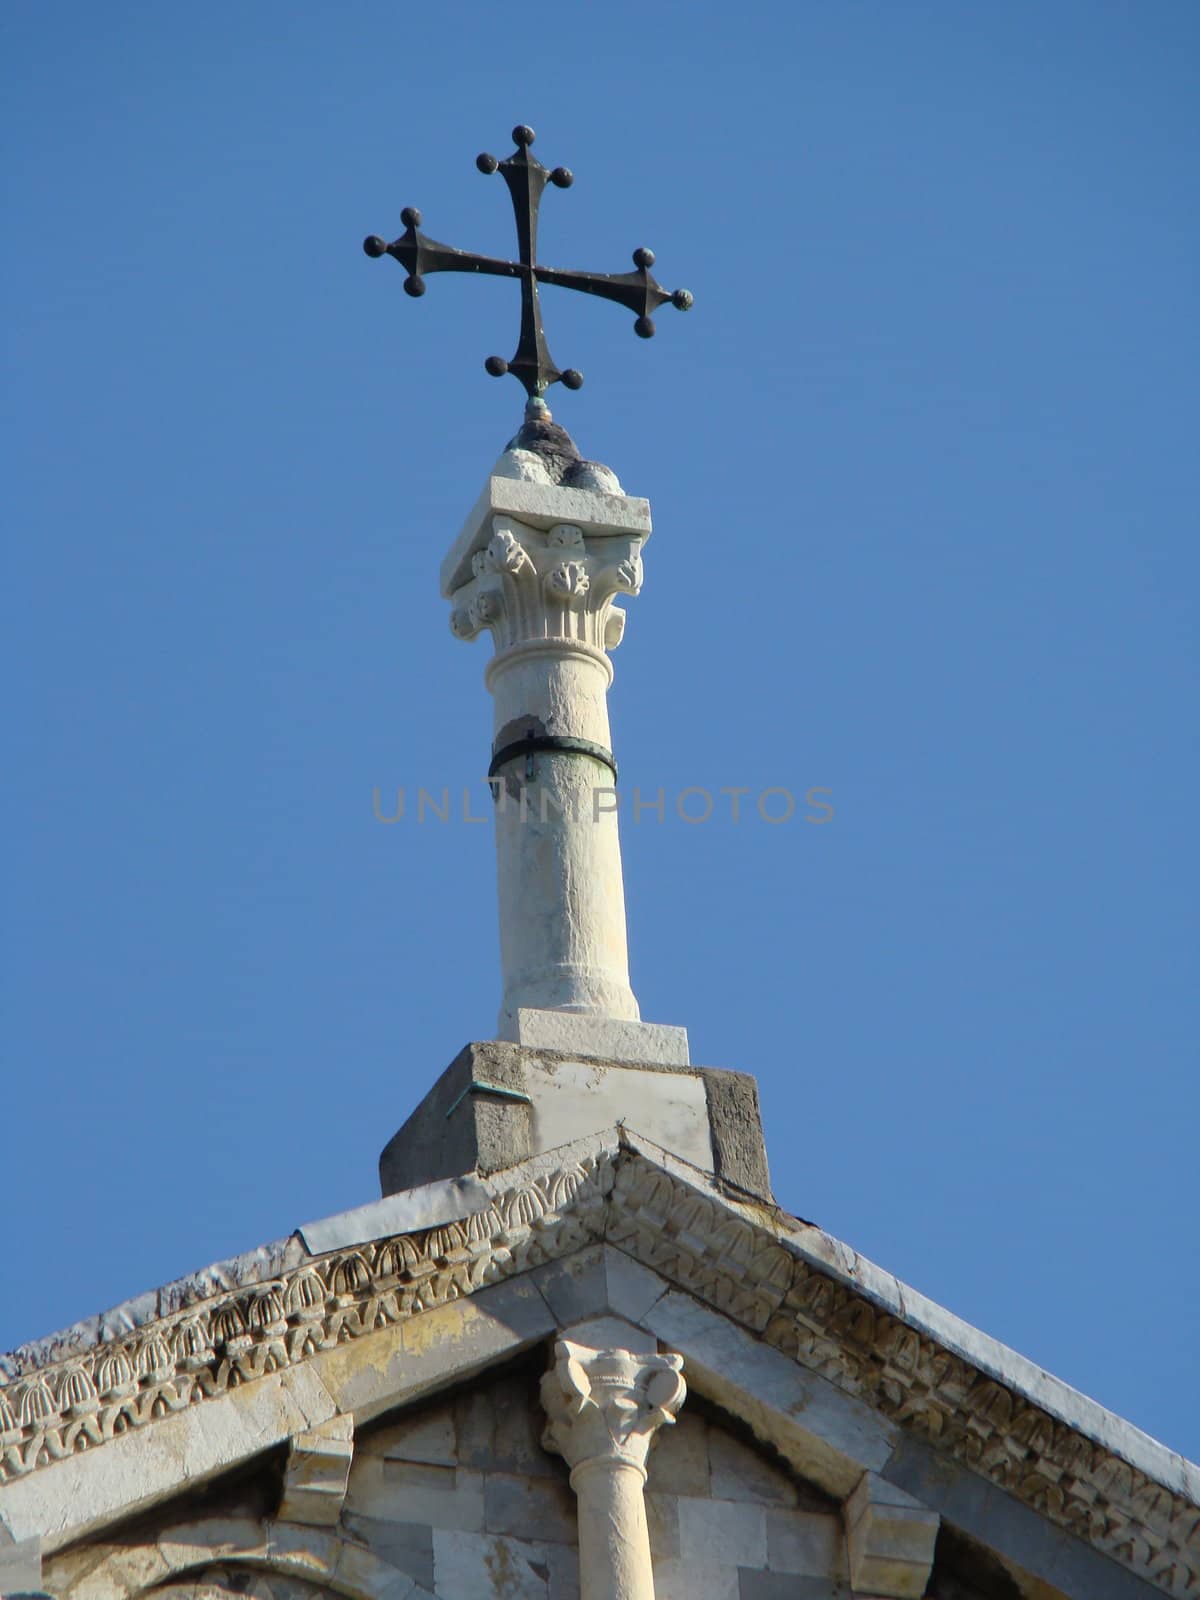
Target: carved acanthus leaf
[530,585]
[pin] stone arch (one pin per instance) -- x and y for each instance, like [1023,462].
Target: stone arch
[318,1557]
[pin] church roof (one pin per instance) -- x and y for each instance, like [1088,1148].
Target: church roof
[831,1361]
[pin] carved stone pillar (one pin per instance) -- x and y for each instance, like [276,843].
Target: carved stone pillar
[539,565]
[604,1409]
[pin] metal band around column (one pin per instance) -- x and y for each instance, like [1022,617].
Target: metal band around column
[553,744]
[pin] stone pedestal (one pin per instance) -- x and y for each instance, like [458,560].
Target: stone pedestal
[497,1104]
[604,1405]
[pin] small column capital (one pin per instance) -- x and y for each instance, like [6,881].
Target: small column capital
[604,1407]
[555,585]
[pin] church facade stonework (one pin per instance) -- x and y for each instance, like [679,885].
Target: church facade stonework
[391,1417]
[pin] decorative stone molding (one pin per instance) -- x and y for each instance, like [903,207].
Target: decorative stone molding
[890,1539]
[55,1411]
[706,1247]
[559,585]
[604,1409]
[187,1551]
[317,1473]
[727,1255]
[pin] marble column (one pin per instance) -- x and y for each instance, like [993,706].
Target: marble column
[539,566]
[604,1408]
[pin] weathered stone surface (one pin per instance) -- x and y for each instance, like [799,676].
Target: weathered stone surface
[572,1098]
[890,1538]
[482,1564]
[21,1567]
[607,1038]
[806,1542]
[407,1546]
[824,1358]
[735,1124]
[679,1464]
[459,1126]
[740,1473]
[317,1472]
[716,1533]
[518,1505]
[784,1586]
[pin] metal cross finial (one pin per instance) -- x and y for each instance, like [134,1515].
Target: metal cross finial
[526,178]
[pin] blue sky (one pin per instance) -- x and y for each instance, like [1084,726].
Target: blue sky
[923,470]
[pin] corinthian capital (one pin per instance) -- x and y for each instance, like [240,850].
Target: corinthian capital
[607,1405]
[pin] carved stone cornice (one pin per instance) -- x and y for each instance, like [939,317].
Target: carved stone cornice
[607,1405]
[559,586]
[702,1244]
[738,1259]
[57,1410]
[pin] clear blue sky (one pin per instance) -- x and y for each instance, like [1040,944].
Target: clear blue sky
[924,475]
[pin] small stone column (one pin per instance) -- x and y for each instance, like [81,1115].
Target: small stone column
[544,554]
[604,1409]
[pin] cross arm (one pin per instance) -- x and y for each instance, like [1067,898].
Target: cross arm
[638,290]
[422,255]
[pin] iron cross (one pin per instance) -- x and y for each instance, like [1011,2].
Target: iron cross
[526,179]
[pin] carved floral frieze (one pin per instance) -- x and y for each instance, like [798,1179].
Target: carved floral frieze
[694,1239]
[528,585]
[58,1410]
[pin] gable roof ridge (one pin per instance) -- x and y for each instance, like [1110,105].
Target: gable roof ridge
[803,1293]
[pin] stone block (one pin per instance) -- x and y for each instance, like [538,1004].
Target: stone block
[662,1520]
[21,1567]
[716,1533]
[609,1038]
[678,1461]
[784,1586]
[680,1579]
[428,1436]
[499,1429]
[632,1288]
[474,1566]
[541,505]
[572,1097]
[461,1125]
[735,1124]
[824,1435]
[806,1542]
[406,1545]
[500,1102]
[318,1469]
[740,1472]
[890,1539]
[530,1508]
[575,1288]
[420,1492]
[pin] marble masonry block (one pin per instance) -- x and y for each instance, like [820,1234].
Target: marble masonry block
[318,1470]
[530,1507]
[609,1038]
[498,1103]
[810,1543]
[739,1472]
[21,1567]
[890,1537]
[715,1533]
[538,505]
[470,1566]
[679,1463]
[405,1545]
[786,1586]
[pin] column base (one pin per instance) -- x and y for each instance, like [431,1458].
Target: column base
[500,1102]
[608,1038]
